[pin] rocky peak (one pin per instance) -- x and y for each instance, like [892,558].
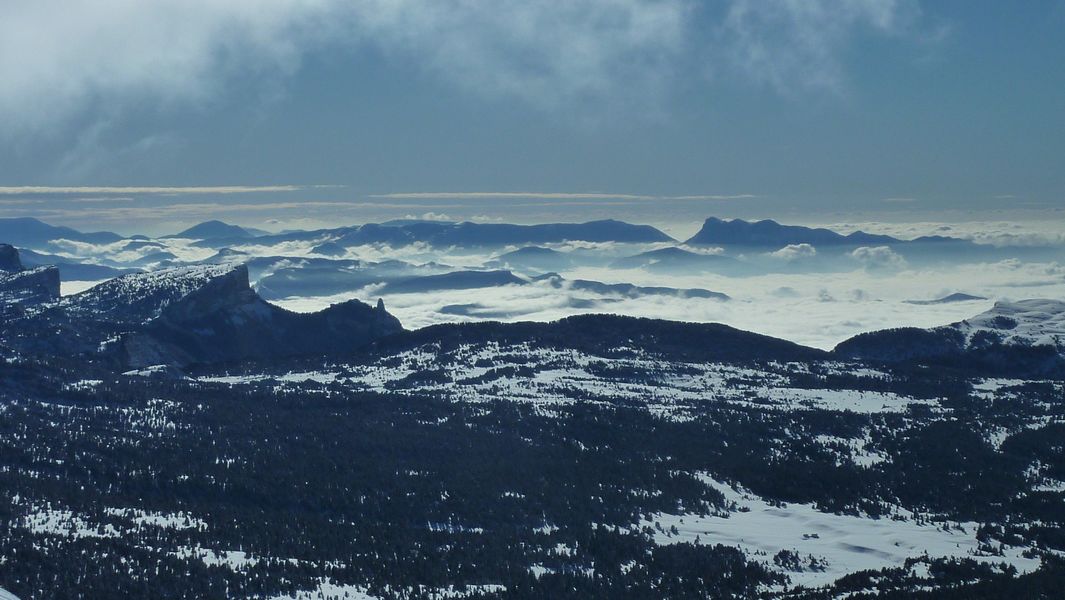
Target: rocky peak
[141,297]
[9,259]
[29,287]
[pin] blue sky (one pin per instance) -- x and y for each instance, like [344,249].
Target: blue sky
[890,109]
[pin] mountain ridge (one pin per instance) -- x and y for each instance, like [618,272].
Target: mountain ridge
[1021,338]
[771,234]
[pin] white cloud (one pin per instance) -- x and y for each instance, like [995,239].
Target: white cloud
[1034,228]
[172,191]
[879,257]
[98,55]
[429,216]
[796,45]
[553,196]
[91,60]
[795,252]
[502,195]
[834,306]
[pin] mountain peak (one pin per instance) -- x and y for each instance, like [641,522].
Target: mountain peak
[140,297]
[27,232]
[212,230]
[1024,338]
[9,259]
[1036,322]
[770,234]
[20,287]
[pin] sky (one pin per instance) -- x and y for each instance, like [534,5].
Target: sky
[145,117]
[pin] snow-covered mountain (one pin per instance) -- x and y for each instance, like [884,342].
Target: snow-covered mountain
[1022,338]
[204,313]
[140,297]
[172,434]
[1021,323]
[21,287]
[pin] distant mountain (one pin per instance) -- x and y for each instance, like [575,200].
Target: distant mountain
[446,234]
[949,299]
[457,280]
[674,259]
[329,249]
[1013,339]
[533,257]
[770,234]
[628,290]
[494,234]
[138,245]
[72,270]
[211,230]
[225,256]
[281,277]
[32,233]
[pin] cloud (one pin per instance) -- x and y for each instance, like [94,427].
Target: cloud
[796,45]
[713,197]
[108,54]
[171,191]
[499,195]
[879,257]
[1037,228]
[704,250]
[551,196]
[94,60]
[795,252]
[429,216]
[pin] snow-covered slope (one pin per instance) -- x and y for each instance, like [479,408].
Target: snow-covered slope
[1025,322]
[177,316]
[1022,338]
[21,286]
[33,286]
[140,297]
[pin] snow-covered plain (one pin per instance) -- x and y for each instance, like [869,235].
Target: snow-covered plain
[552,377]
[828,545]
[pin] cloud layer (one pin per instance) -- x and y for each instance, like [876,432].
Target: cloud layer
[97,59]
[100,56]
[795,45]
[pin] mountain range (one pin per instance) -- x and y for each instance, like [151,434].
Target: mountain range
[210,313]
[770,234]
[446,234]
[176,317]
[33,233]
[172,434]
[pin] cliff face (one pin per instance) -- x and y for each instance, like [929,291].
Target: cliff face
[32,287]
[175,317]
[20,287]
[225,320]
[9,259]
